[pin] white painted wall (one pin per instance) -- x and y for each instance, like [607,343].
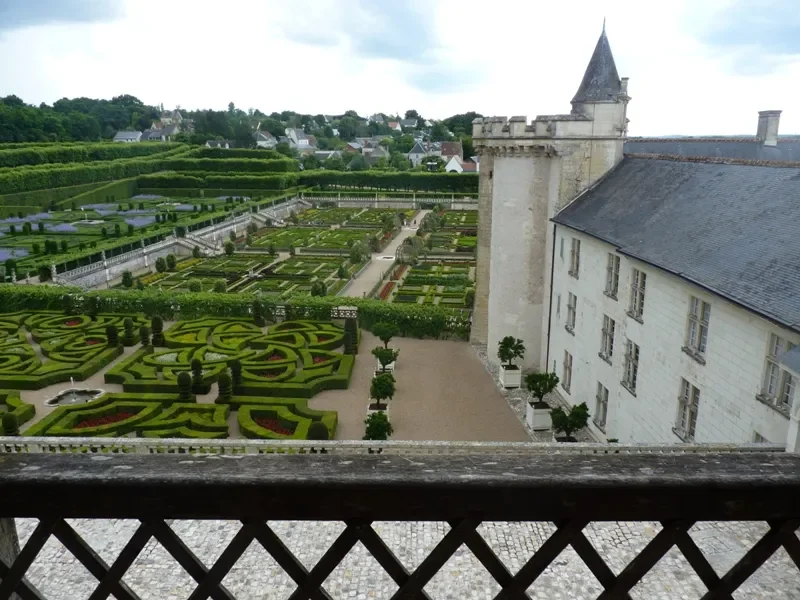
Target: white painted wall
[728,382]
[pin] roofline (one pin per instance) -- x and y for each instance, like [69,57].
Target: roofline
[712,138]
[716,160]
[768,316]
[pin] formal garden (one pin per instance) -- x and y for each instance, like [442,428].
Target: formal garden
[447,284]
[313,239]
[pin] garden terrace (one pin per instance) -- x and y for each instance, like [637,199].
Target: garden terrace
[449,241]
[294,276]
[58,348]
[235,271]
[445,285]
[375,216]
[326,216]
[461,219]
[406,521]
[313,239]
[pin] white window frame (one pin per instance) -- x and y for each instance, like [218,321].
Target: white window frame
[612,275]
[575,258]
[638,288]
[778,385]
[566,380]
[697,327]
[631,371]
[601,406]
[607,337]
[572,309]
[688,409]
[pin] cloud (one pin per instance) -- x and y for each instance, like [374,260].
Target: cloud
[16,14]
[755,36]
[394,30]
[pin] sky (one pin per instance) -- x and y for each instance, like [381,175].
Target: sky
[695,68]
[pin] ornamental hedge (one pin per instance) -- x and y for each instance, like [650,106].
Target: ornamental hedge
[411,320]
[116,191]
[401,180]
[43,199]
[231,165]
[261,153]
[78,153]
[15,406]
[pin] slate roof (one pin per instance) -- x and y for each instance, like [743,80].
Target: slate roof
[128,135]
[417,149]
[600,82]
[751,148]
[730,228]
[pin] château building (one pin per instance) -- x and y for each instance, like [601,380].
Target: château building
[663,288]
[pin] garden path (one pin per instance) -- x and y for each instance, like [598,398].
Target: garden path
[377,268]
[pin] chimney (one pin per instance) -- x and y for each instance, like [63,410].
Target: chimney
[768,121]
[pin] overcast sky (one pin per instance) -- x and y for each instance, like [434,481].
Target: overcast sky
[694,68]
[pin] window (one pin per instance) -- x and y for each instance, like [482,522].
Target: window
[688,403]
[697,333]
[566,380]
[575,258]
[561,248]
[612,275]
[637,294]
[601,406]
[778,383]
[572,304]
[607,342]
[631,366]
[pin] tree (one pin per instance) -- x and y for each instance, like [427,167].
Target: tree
[64,245]
[68,304]
[291,250]
[230,248]
[377,427]
[358,163]
[161,264]
[412,114]
[541,384]
[284,148]
[128,336]
[220,287]
[318,431]
[385,332]
[310,163]
[232,235]
[171,262]
[381,390]
[117,230]
[131,229]
[439,133]
[139,284]
[127,279]
[462,122]
[509,349]
[236,373]
[569,423]
[385,356]
[467,146]
[334,163]
[196,252]
[341,272]
[347,128]
[318,288]
[356,254]
[258,314]
[271,249]
[195,286]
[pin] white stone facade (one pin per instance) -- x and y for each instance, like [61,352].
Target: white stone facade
[729,381]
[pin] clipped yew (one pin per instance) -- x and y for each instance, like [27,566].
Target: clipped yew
[112,335]
[318,431]
[225,382]
[157,327]
[128,336]
[184,386]
[236,373]
[144,335]
[11,425]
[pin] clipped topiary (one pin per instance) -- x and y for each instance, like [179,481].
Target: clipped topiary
[258,314]
[225,382]
[318,431]
[377,427]
[185,387]
[385,331]
[157,327]
[197,372]
[68,302]
[351,330]
[128,338]
[144,335]
[220,287]
[112,335]
[11,424]
[236,373]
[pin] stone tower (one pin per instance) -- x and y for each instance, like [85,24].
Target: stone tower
[528,173]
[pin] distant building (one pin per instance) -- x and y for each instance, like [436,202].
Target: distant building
[128,137]
[376,154]
[451,149]
[408,123]
[376,118]
[416,154]
[394,126]
[219,144]
[171,117]
[323,155]
[352,148]
[154,135]
[264,139]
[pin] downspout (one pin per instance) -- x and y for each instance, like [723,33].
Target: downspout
[550,307]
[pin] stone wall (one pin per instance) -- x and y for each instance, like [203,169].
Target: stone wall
[480,313]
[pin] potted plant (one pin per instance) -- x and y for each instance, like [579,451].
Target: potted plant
[569,423]
[380,391]
[377,426]
[537,413]
[385,331]
[508,350]
[387,357]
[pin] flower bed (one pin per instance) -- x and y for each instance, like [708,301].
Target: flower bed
[387,290]
[273,425]
[106,420]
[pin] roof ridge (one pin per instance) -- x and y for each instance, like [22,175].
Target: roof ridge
[716,160]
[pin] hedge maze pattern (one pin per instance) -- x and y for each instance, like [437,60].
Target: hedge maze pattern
[72,346]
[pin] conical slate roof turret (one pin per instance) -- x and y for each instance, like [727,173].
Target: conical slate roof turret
[600,82]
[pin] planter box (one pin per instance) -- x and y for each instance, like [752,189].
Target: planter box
[510,377]
[389,367]
[537,415]
[372,410]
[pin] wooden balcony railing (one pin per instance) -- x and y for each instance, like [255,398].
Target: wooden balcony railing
[569,486]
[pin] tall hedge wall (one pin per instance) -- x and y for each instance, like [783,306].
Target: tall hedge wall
[78,153]
[42,199]
[399,180]
[261,154]
[231,165]
[119,190]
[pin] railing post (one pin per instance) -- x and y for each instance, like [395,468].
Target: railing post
[9,545]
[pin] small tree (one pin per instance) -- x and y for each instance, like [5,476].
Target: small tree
[117,230]
[318,288]
[271,249]
[184,387]
[225,383]
[103,230]
[127,279]
[36,247]
[128,338]
[197,372]
[157,327]
[341,272]
[385,331]
[44,273]
[385,356]
[195,285]
[144,335]
[232,235]
[569,423]
[161,264]
[318,431]
[377,427]
[292,251]
[230,248]
[381,389]
[112,335]
[236,373]
[92,307]
[350,336]
[68,303]
[131,229]
[258,314]
[195,252]
[11,425]
[64,245]
[509,349]
[541,384]
[139,284]
[171,262]
[220,287]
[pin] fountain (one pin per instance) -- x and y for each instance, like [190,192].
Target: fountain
[73,395]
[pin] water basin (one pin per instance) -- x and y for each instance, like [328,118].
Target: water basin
[73,396]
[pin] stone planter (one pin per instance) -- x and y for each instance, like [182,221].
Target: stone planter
[372,410]
[510,377]
[537,416]
[389,367]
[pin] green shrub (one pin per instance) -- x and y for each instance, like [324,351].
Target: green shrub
[569,423]
[236,373]
[144,335]
[112,335]
[381,389]
[220,287]
[225,383]
[127,279]
[157,326]
[318,431]
[377,426]
[10,424]
[195,286]
[184,386]
[385,356]
[258,314]
[385,332]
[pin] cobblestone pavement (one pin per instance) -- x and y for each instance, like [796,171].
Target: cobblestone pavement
[156,575]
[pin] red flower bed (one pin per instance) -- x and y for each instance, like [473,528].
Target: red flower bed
[92,342]
[72,322]
[398,272]
[387,289]
[319,359]
[324,338]
[275,357]
[107,420]
[269,374]
[273,425]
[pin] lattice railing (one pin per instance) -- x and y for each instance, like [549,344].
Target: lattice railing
[570,490]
